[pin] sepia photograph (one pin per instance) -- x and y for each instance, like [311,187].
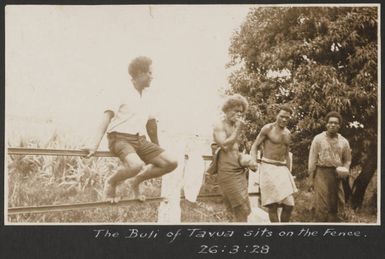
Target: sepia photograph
[192,114]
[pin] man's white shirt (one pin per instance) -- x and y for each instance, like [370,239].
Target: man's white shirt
[131,112]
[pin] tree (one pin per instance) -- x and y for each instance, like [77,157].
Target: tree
[317,59]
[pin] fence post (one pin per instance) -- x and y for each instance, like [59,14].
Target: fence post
[169,210]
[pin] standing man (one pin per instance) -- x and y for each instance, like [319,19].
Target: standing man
[329,163]
[126,125]
[276,182]
[231,174]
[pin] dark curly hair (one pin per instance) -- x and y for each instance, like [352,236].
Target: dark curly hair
[285,107]
[139,65]
[235,100]
[333,114]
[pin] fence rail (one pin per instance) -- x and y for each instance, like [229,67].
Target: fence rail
[98,204]
[88,205]
[55,152]
[63,152]
[65,207]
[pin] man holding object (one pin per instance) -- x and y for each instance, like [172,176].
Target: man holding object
[329,163]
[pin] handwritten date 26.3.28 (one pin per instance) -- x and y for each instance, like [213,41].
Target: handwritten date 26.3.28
[234,249]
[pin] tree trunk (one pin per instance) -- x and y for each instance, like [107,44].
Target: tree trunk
[361,183]
[347,189]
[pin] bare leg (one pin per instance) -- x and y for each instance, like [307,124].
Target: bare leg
[121,175]
[135,185]
[149,171]
[158,166]
[132,166]
[287,208]
[273,213]
[286,213]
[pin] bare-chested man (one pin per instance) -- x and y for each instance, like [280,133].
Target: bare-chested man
[231,174]
[276,182]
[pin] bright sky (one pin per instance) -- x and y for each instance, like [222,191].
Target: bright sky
[63,62]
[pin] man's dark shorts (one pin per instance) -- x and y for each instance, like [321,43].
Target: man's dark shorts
[122,144]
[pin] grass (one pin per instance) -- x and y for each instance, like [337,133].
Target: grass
[214,211]
[302,211]
[48,180]
[209,211]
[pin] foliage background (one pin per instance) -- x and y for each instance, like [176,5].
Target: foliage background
[317,59]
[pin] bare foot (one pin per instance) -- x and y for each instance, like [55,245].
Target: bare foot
[112,200]
[136,190]
[109,192]
[116,199]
